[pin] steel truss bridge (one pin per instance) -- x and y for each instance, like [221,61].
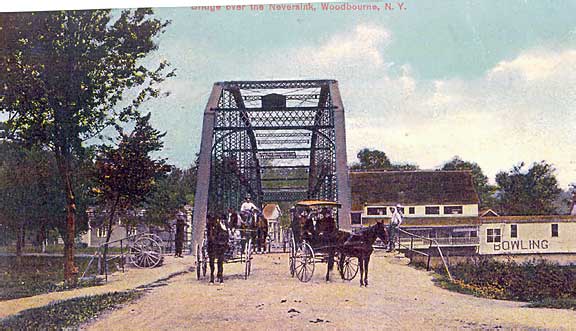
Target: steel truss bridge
[275,140]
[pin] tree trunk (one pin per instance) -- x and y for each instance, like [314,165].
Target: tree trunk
[109,233]
[70,269]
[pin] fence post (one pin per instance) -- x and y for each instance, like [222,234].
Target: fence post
[106,264]
[411,248]
[99,262]
[122,255]
[429,256]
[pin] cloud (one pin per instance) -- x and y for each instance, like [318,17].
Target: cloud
[522,109]
[351,53]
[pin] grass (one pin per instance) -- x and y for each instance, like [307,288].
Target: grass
[67,314]
[542,284]
[37,275]
[55,249]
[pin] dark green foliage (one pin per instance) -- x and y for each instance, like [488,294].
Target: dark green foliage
[378,160]
[531,192]
[31,190]
[484,190]
[37,275]
[170,194]
[126,174]
[64,73]
[530,281]
[67,75]
[67,314]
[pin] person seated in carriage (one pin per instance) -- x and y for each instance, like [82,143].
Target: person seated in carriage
[247,210]
[326,226]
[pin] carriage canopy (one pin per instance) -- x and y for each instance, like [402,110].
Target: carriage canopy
[318,203]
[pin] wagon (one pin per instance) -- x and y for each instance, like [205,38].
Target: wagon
[145,251]
[310,244]
[239,251]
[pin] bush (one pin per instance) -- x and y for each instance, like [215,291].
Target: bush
[66,314]
[535,281]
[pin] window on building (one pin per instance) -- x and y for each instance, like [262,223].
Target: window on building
[132,231]
[411,210]
[473,234]
[493,235]
[448,210]
[554,230]
[101,232]
[356,218]
[376,211]
[513,231]
[432,210]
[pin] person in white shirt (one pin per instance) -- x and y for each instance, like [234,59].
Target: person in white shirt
[247,209]
[395,222]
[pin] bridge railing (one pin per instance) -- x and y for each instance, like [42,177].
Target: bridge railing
[414,245]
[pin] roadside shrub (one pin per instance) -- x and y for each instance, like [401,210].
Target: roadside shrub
[534,281]
[66,314]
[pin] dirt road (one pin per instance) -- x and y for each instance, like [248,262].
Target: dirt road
[399,297]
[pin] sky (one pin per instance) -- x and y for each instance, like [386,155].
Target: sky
[493,82]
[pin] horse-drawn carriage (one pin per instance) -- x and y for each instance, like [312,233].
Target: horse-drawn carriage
[316,238]
[232,240]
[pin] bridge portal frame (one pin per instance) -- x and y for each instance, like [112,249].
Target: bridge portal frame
[328,89]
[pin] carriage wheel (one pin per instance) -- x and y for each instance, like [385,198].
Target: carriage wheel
[145,252]
[248,264]
[292,257]
[304,263]
[349,269]
[198,262]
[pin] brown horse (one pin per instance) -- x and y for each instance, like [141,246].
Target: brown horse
[357,245]
[261,233]
[217,245]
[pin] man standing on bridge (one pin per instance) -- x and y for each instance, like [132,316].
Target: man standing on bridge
[395,222]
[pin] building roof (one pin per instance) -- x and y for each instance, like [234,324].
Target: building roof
[421,187]
[488,212]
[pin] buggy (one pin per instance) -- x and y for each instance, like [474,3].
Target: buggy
[313,234]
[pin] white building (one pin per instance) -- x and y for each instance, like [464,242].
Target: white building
[436,204]
[552,237]
[443,205]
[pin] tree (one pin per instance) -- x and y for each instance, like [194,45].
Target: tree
[485,191]
[378,160]
[531,192]
[126,174]
[31,196]
[65,76]
[171,194]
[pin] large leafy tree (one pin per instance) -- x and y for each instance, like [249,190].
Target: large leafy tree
[127,173]
[65,76]
[528,192]
[31,197]
[483,188]
[369,159]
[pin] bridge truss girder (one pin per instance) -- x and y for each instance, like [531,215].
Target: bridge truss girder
[275,140]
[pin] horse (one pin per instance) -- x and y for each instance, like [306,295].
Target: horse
[357,245]
[217,235]
[261,233]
